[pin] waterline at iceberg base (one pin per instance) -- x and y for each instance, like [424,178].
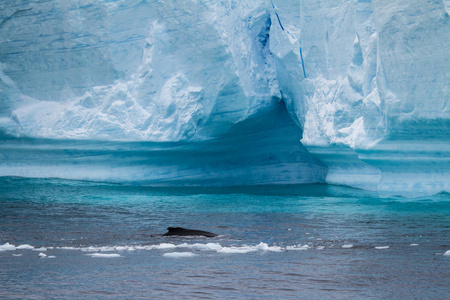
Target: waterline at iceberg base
[264,149]
[417,169]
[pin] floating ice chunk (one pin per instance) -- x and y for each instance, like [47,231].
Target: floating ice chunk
[447,253]
[204,247]
[25,247]
[247,249]
[7,247]
[42,255]
[179,254]
[382,247]
[414,244]
[298,247]
[68,248]
[98,249]
[215,247]
[165,246]
[17,255]
[239,250]
[104,255]
[51,256]
[39,249]
[124,248]
[347,246]
[264,247]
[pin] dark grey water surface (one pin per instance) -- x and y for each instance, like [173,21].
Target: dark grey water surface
[68,217]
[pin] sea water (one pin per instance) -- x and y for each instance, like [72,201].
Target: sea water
[84,240]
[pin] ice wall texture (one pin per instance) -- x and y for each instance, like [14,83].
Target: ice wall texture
[263,149]
[374,105]
[132,70]
[366,82]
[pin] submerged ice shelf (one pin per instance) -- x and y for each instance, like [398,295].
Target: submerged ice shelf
[188,92]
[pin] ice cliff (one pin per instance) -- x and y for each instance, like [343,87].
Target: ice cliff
[352,92]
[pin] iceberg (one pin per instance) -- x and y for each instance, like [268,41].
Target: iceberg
[373,105]
[228,92]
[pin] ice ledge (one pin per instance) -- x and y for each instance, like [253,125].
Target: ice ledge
[391,168]
[263,149]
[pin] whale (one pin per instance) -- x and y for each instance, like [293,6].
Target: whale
[180,231]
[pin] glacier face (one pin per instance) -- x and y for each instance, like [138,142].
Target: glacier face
[134,70]
[366,82]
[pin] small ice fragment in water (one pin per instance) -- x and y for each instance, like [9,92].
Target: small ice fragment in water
[104,255]
[414,244]
[17,255]
[447,253]
[298,247]
[7,247]
[25,247]
[164,246]
[237,250]
[347,246]
[39,249]
[382,247]
[179,254]
[42,255]
[264,247]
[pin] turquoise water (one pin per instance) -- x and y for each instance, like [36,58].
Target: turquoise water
[93,240]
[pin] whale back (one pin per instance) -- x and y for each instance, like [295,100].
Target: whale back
[180,231]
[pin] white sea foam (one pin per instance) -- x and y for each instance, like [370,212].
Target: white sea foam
[382,247]
[104,255]
[179,254]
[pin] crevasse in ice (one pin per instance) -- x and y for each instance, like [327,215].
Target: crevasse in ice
[226,92]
